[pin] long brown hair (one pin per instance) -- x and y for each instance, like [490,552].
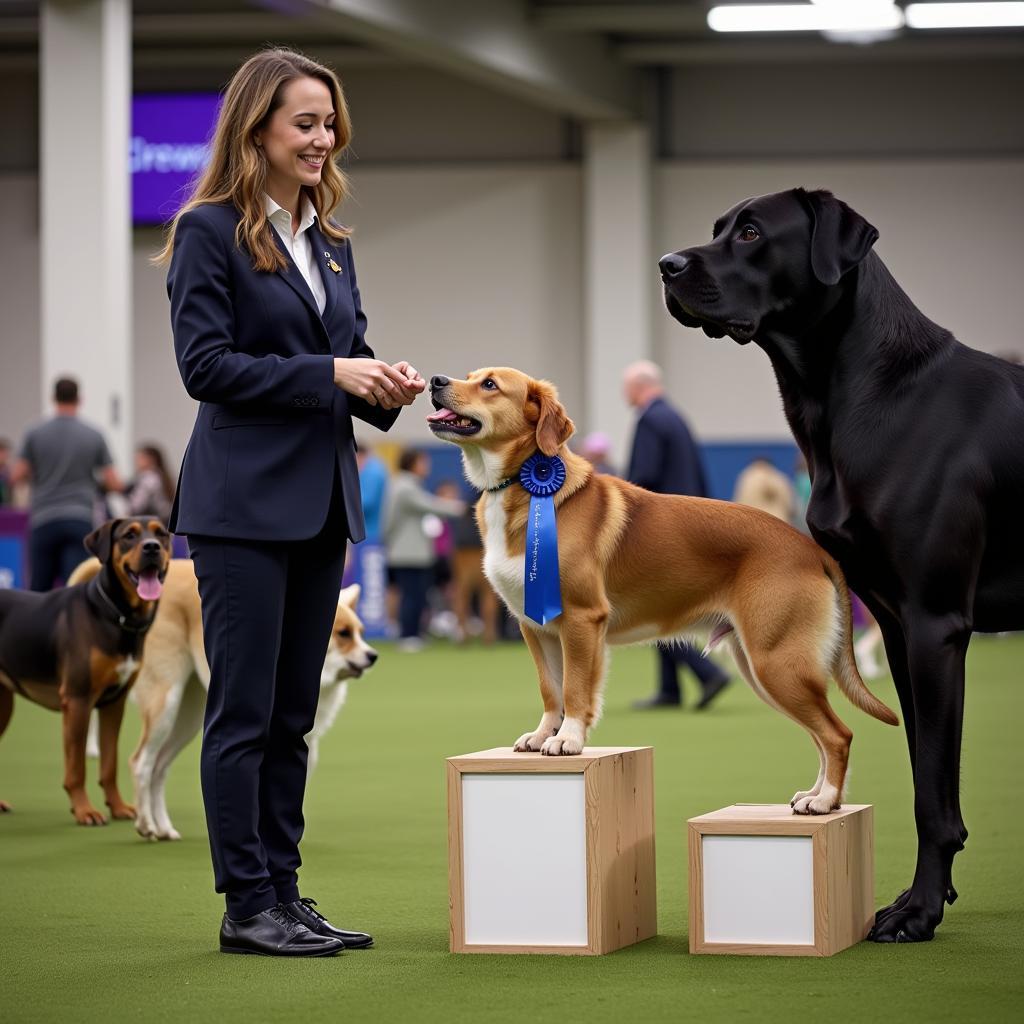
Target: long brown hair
[237,171]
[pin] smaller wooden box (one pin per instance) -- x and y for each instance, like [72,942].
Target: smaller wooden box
[551,854]
[767,882]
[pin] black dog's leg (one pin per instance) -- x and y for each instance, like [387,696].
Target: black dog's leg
[936,651]
[899,665]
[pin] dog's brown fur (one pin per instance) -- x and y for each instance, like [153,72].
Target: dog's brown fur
[79,648]
[637,566]
[172,684]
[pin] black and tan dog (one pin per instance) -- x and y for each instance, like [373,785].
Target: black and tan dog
[80,648]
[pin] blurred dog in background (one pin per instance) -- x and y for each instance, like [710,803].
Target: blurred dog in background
[80,647]
[172,684]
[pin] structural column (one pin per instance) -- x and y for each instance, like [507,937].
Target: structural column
[621,272]
[85,226]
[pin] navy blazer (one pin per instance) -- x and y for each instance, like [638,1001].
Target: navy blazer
[665,458]
[254,350]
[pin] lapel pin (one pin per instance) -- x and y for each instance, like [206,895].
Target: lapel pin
[330,263]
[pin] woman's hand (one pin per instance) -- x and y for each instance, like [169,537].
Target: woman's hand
[414,383]
[377,382]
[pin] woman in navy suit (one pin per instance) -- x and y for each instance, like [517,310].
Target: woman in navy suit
[268,336]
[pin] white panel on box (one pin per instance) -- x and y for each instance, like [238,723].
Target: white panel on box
[758,889]
[524,841]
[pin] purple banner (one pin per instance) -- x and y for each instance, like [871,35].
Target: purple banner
[169,146]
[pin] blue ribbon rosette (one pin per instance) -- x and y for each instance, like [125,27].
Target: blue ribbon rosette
[542,476]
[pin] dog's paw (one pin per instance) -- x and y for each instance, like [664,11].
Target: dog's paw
[86,814]
[145,826]
[908,919]
[820,804]
[531,742]
[561,745]
[122,812]
[804,794]
[5,807]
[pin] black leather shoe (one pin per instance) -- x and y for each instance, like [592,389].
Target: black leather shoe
[657,701]
[275,933]
[303,912]
[711,691]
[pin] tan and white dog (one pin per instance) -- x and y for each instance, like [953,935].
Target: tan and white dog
[639,567]
[174,677]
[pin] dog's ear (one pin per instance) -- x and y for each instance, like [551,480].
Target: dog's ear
[350,596]
[100,541]
[554,427]
[840,237]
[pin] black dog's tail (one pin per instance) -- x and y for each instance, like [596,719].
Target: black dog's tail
[844,664]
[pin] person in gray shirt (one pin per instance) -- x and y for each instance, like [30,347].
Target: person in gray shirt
[65,460]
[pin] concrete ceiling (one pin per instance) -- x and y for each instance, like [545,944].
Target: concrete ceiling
[579,58]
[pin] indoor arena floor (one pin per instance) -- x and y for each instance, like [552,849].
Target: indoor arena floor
[100,925]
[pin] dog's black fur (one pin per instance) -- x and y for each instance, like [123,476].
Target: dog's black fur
[913,442]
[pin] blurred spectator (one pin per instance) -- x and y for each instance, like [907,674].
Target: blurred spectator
[469,584]
[802,492]
[410,547]
[665,459]
[61,459]
[595,448]
[152,490]
[373,485]
[6,490]
[762,486]
[441,616]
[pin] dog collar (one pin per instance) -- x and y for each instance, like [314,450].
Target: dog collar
[540,475]
[122,619]
[507,482]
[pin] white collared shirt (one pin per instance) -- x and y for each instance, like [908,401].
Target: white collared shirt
[300,245]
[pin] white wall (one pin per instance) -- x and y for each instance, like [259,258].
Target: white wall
[466,265]
[949,232]
[20,356]
[458,268]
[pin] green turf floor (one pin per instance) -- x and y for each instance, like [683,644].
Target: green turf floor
[96,924]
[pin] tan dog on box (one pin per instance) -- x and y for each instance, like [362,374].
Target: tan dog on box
[637,566]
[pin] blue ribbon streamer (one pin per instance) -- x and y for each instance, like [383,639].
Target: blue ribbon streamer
[542,476]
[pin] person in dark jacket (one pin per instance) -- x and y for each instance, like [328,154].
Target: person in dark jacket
[269,338]
[665,459]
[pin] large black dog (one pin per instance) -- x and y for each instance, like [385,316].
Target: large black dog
[914,445]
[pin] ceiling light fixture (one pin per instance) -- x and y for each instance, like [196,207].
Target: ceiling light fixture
[978,15]
[821,16]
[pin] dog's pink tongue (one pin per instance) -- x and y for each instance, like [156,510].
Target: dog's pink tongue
[150,588]
[441,415]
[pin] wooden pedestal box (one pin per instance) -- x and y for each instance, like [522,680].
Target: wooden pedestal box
[765,881]
[551,854]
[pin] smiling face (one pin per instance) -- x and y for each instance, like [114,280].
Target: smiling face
[499,408]
[297,138]
[138,551]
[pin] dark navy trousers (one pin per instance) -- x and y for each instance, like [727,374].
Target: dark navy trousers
[671,657]
[268,611]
